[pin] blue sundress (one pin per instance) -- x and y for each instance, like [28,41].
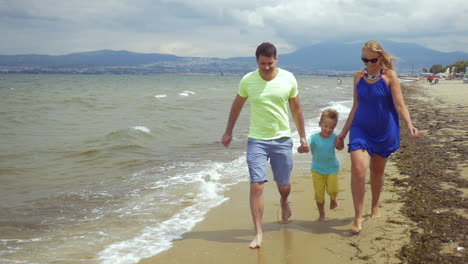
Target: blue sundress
[375,126]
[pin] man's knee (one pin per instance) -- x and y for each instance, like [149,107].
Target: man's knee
[256,188]
[284,189]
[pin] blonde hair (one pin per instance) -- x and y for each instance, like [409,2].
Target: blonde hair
[385,59]
[329,113]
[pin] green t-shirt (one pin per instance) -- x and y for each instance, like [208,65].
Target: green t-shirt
[269,102]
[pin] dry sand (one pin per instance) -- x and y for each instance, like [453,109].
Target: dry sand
[224,236]
[448,91]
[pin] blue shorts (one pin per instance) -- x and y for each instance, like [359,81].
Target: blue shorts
[278,151]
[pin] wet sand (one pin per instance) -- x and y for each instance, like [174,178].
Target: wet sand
[224,236]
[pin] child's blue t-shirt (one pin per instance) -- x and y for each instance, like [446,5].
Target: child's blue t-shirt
[324,160]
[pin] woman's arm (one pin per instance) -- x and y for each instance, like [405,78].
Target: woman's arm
[349,121]
[399,103]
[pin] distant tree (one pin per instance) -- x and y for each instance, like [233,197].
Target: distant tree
[436,68]
[459,65]
[425,70]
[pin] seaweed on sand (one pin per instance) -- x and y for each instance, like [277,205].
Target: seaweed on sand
[432,196]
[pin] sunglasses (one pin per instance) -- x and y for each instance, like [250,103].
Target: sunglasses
[369,60]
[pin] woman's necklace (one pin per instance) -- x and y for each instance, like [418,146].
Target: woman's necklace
[373,77]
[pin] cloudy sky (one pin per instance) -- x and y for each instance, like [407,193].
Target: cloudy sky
[224,28]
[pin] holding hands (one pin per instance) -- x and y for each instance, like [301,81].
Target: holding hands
[304,147]
[339,143]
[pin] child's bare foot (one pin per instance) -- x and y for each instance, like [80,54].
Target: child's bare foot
[375,213]
[256,242]
[357,226]
[333,204]
[285,212]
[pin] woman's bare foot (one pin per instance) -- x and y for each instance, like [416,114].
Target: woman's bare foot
[375,213]
[256,242]
[285,212]
[333,204]
[357,226]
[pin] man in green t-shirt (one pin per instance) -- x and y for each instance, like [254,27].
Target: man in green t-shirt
[270,91]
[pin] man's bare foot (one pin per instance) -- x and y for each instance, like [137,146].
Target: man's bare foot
[321,219]
[256,242]
[357,226]
[285,212]
[333,204]
[375,213]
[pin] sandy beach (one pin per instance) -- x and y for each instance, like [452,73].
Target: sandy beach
[224,235]
[436,186]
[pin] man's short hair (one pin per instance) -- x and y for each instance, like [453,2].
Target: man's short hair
[266,49]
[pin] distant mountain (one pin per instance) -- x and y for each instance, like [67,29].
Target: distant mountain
[121,62]
[346,57]
[101,57]
[315,59]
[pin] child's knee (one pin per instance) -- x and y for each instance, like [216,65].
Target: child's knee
[333,190]
[333,195]
[320,199]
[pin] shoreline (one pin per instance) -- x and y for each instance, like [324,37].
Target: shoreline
[224,234]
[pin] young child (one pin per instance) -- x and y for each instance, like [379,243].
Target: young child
[325,166]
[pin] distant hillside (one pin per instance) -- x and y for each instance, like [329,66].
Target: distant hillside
[101,57]
[315,59]
[346,57]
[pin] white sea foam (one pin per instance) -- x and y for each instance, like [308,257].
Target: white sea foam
[160,96]
[155,239]
[405,80]
[343,108]
[207,187]
[186,93]
[24,240]
[142,128]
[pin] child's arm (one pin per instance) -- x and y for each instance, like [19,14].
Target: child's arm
[339,143]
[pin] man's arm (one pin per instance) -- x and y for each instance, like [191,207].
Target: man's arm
[298,117]
[236,108]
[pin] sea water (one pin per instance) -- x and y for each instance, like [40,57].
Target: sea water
[113,168]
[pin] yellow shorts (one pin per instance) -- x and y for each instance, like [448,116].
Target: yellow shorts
[325,182]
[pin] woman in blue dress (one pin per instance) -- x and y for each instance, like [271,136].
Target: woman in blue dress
[373,126]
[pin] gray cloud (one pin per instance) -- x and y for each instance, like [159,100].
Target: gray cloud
[224,28]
